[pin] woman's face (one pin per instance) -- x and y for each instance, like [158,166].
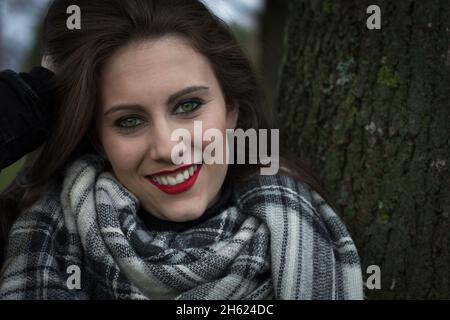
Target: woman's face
[148,90]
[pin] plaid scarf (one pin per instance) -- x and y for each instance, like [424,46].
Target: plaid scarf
[277,239]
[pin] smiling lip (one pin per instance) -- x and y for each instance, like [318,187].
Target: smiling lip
[178,188]
[171,171]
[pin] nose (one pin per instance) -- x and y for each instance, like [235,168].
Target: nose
[160,145]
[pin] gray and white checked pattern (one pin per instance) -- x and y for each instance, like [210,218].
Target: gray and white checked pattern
[277,239]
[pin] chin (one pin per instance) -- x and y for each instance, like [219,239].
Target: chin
[184,214]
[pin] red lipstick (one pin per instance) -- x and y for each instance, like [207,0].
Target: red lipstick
[178,188]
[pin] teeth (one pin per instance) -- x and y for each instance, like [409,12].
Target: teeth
[171,181]
[179,178]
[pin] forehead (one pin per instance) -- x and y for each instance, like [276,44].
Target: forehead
[160,66]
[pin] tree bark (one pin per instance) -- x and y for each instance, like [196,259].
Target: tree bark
[272,38]
[369,110]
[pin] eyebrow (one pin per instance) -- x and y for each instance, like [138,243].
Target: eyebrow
[140,108]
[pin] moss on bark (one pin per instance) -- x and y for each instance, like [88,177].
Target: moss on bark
[369,110]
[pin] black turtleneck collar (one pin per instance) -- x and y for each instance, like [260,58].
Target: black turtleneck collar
[153,223]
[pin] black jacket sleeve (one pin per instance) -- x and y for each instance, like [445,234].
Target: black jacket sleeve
[25,104]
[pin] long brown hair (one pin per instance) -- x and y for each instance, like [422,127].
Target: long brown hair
[79,55]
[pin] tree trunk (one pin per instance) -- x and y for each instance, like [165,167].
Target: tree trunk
[369,110]
[272,38]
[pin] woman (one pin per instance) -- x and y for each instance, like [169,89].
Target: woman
[118,212]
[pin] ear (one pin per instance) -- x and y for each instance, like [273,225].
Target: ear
[232,116]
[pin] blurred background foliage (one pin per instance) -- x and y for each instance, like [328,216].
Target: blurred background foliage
[257,24]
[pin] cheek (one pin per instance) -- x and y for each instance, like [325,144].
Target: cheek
[215,171]
[124,154]
[215,119]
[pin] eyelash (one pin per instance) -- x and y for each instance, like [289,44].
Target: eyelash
[198,103]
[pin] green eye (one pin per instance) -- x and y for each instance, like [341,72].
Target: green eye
[187,107]
[129,123]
